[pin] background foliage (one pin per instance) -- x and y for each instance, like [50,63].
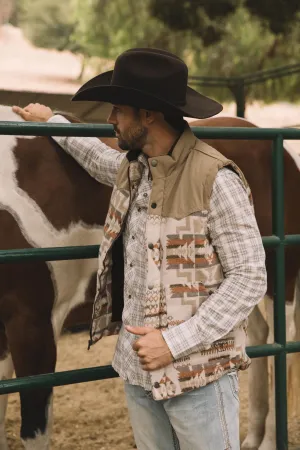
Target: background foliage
[214,37]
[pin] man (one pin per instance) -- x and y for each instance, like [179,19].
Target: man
[182,261]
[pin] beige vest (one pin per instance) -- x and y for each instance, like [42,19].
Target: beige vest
[183,267]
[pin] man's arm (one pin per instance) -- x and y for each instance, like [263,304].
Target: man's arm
[236,238]
[99,160]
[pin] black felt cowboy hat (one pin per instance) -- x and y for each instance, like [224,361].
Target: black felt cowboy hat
[150,79]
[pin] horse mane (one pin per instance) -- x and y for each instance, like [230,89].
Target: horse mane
[69,116]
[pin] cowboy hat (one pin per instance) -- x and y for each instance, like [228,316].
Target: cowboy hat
[151,79]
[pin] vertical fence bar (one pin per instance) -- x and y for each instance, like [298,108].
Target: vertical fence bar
[279,293]
[240,99]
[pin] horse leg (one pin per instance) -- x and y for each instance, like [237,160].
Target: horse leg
[257,382]
[269,441]
[293,334]
[33,351]
[6,372]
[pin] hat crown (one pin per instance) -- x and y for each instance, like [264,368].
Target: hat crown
[149,78]
[152,71]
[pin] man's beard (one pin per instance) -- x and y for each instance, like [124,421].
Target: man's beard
[132,139]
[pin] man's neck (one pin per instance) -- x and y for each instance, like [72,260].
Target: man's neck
[161,144]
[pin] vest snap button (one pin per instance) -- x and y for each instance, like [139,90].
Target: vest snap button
[154,162]
[153,205]
[151,246]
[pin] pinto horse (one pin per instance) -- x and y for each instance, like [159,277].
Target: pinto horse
[48,200]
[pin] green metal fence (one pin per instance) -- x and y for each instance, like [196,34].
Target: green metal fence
[278,241]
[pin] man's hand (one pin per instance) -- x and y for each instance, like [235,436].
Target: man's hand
[34,112]
[151,348]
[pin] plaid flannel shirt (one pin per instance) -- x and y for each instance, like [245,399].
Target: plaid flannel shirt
[234,232]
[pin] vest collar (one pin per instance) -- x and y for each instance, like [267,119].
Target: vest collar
[162,166]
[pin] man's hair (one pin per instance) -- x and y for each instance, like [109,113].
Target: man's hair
[176,122]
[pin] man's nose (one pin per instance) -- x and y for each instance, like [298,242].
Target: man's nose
[111,118]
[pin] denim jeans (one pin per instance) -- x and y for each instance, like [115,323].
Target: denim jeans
[206,418]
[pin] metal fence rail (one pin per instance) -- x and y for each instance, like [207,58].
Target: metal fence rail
[278,241]
[238,84]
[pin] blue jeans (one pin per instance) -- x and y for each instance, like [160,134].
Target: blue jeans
[203,419]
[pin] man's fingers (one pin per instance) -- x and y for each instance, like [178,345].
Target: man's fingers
[149,366]
[34,112]
[135,348]
[21,112]
[139,331]
[17,109]
[136,345]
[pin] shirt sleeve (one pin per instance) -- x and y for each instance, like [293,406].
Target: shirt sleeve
[99,160]
[236,238]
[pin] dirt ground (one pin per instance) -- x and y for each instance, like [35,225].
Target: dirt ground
[93,415]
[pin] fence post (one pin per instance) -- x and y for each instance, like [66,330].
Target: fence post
[279,293]
[238,91]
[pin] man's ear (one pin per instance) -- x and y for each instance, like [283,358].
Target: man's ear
[152,116]
[148,116]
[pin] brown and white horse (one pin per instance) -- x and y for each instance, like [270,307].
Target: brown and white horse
[47,200]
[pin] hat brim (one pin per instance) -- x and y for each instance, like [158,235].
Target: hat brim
[99,89]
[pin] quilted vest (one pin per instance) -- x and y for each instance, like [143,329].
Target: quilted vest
[183,266]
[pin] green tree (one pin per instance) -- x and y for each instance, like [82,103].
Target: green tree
[106,28]
[48,23]
[206,19]
[247,36]
[214,37]
[249,46]
[278,15]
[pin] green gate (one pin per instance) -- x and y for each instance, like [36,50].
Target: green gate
[238,85]
[278,241]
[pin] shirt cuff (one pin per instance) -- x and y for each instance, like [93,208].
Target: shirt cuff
[183,339]
[57,118]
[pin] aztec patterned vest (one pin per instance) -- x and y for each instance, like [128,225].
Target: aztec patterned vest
[183,267]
